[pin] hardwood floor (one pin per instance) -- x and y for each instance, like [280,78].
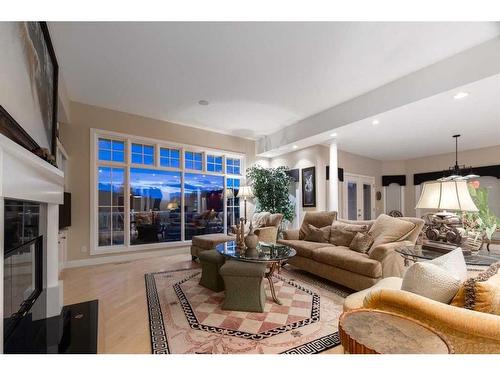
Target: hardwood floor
[119,287]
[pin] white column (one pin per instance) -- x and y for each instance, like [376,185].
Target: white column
[54,286]
[333,188]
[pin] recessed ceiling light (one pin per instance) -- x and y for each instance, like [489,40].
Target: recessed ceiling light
[333,135]
[461,95]
[375,122]
[203,102]
[295,146]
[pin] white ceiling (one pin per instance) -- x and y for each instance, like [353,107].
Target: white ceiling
[426,127]
[258,77]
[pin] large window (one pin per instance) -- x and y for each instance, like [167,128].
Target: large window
[174,192]
[194,160]
[155,206]
[110,206]
[142,154]
[233,202]
[204,202]
[111,150]
[233,166]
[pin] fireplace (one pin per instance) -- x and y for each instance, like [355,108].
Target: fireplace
[23,264]
[31,191]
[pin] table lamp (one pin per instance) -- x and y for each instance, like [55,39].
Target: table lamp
[446,195]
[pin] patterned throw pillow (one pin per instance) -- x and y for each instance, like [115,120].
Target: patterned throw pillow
[481,293]
[361,242]
[314,234]
[342,234]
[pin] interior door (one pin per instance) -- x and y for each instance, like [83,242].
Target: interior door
[359,197]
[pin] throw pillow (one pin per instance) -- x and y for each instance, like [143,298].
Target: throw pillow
[259,219]
[388,229]
[318,219]
[431,281]
[342,234]
[274,220]
[321,235]
[454,263]
[481,293]
[361,242]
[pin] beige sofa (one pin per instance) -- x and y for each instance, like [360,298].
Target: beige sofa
[352,269]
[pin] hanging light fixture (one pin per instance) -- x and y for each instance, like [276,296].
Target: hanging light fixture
[457,172]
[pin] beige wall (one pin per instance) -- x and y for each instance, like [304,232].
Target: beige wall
[75,137]
[318,156]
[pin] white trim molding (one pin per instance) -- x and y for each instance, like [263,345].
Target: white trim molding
[96,260]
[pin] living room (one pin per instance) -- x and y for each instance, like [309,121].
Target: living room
[230,187]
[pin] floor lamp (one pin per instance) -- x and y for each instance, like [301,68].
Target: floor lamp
[245,192]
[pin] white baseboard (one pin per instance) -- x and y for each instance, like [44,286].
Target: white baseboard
[124,257]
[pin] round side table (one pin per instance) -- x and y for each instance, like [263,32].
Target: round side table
[365,331]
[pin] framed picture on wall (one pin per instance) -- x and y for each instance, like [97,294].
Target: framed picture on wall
[309,187]
[28,94]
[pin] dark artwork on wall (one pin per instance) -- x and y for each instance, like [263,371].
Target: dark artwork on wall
[40,73]
[309,187]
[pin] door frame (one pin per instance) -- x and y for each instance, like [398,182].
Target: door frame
[360,180]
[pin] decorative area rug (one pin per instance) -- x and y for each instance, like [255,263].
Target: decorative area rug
[186,318]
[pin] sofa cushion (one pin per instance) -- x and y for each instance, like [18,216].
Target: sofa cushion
[482,292]
[342,257]
[342,234]
[361,242]
[387,229]
[303,248]
[318,219]
[318,234]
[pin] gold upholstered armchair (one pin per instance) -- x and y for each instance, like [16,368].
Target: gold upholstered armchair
[467,330]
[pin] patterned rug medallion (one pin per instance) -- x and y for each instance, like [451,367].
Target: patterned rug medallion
[186,317]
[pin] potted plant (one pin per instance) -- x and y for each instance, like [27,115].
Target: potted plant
[484,223]
[270,188]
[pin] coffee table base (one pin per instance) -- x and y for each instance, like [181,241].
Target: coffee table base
[269,276]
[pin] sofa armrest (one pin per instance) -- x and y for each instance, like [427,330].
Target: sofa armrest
[267,234]
[468,331]
[291,234]
[391,261]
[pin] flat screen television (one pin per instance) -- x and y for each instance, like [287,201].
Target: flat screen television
[65,212]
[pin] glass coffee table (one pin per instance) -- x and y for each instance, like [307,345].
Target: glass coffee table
[273,255]
[418,253]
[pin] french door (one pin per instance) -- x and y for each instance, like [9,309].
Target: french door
[358,197]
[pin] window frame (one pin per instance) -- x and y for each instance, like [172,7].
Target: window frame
[128,139]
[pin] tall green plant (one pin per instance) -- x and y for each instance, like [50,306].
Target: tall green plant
[484,219]
[270,187]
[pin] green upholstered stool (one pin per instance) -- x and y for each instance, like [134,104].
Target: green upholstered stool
[244,286]
[211,262]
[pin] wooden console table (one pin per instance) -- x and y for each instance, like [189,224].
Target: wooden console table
[365,331]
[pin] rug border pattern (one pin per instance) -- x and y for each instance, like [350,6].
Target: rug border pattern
[159,342]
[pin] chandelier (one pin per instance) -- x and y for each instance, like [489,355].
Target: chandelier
[457,172]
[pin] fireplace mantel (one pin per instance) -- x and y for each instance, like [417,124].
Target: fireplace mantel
[25,176]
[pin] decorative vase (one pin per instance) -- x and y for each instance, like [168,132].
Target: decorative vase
[251,240]
[240,234]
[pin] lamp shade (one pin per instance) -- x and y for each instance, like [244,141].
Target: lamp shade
[446,195]
[245,192]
